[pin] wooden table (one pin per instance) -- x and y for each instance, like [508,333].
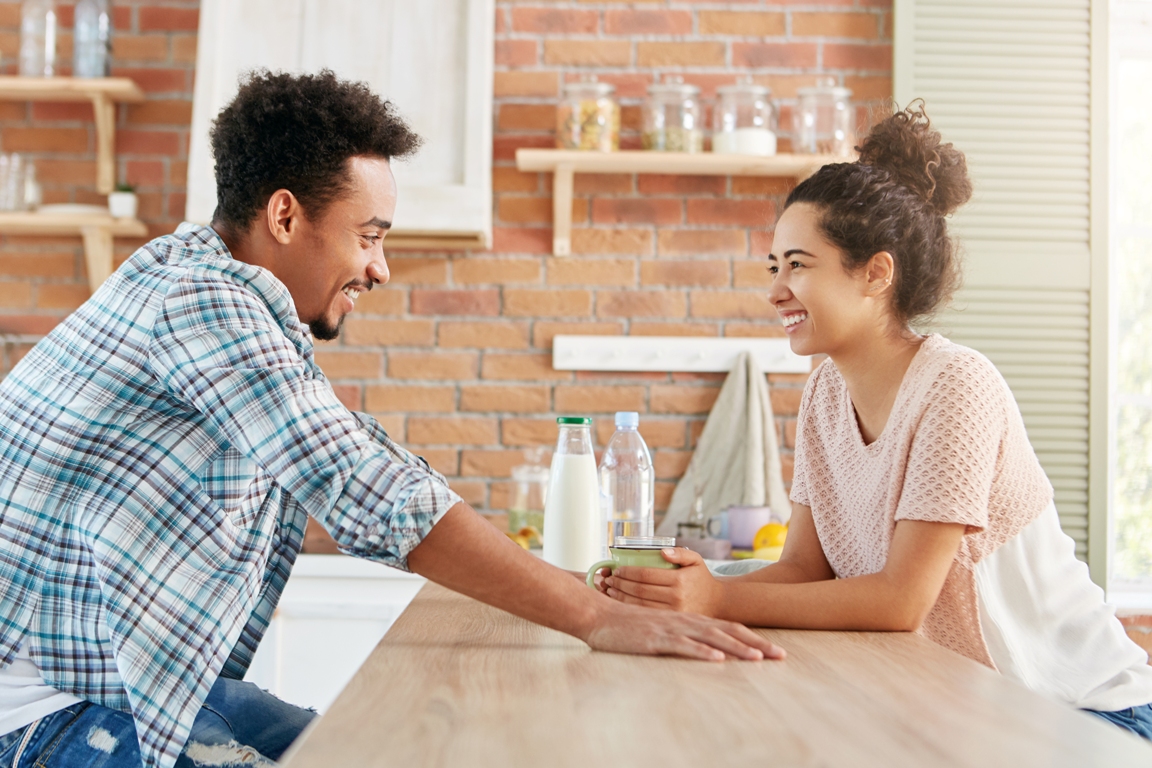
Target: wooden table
[457,683]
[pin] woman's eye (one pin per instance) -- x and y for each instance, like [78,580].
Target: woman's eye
[795,264]
[773,270]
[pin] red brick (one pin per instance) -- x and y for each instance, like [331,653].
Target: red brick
[18,295]
[698,242]
[750,274]
[741,213]
[869,88]
[350,395]
[853,56]
[37,264]
[529,432]
[407,333]
[417,271]
[631,242]
[20,139]
[156,80]
[626,210]
[535,210]
[183,49]
[62,111]
[446,461]
[474,492]
[657,432]
[598,399]
[860,24]
[547,303]
[505,399]
[730,304]
[673,329]
[554,20]
[786,402]
[600,183]
[791,55]
[10,15]
[350,365]
[521,240]
[381,301]
[761,243]
[476,270]
[588,53]
[435,366]
[640,304]
[526,117]
[522,367]
[685,273]
[480,463]
[168,19]
[762,185]
[663,496]
[139,47]
[652,184]
[129,141]
[452,430]
[27,325]
[70,172]
[670,464]
[629,85]
[484,335]
[612,272]
[506,179]
[662,22]
[409,399]
[516,53]
[544,332]
[682,398]
[142,173]
[742,23]
[504,146]
[680,54]
[14,110]
[161,112]
[441,302]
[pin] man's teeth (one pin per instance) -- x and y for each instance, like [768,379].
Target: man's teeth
[351,293]
[793,319]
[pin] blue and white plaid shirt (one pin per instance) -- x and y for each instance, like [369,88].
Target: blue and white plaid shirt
[159,452]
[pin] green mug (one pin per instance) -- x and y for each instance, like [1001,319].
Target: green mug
[630,551]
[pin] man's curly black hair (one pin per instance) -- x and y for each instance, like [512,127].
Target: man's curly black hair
[297,132]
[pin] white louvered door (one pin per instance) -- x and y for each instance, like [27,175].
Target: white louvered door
[1007,81]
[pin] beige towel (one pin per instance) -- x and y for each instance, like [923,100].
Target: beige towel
[738,458]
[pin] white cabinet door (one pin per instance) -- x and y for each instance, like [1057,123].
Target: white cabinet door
[433,59]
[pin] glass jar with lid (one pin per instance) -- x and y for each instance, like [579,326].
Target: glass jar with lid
[672,117]
[824,122]
[588,117]
[530,489]
[744,122]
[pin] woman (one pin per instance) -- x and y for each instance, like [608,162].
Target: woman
[918,502]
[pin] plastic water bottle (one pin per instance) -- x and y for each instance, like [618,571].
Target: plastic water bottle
[92,39]
[38,38]
[627,481]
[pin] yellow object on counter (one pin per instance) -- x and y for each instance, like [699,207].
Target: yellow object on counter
[525,536]
[770,535]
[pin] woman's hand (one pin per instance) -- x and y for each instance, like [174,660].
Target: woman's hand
[691,588]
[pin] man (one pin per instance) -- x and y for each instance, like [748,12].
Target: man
[160,450]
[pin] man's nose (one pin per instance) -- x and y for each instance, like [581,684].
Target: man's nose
[378,272]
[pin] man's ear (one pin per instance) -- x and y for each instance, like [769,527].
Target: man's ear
[283,216]
[879,272]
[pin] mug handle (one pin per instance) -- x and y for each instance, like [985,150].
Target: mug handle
[708,525]
[591,579]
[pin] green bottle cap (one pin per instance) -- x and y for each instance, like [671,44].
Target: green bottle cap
[579,421]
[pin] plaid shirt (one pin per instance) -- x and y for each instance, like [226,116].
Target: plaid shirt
[159,452]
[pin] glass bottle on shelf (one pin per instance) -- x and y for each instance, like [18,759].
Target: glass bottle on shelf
[588,117]
[38,38]
[92,39]
[824,122]
[744,122]
[672,117]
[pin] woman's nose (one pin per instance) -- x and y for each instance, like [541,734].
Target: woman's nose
[779,291]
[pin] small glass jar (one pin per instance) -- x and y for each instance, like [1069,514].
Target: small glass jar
[744,122]
[672,118]
[588,117]
[530,489]
[824,122]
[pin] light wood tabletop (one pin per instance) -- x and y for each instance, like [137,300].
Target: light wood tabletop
[457,683]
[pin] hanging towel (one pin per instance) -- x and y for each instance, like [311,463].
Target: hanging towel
[737,457]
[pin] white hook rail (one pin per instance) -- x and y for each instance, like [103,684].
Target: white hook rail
[672,354]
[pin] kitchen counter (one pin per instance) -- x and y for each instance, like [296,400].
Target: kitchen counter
[457,683]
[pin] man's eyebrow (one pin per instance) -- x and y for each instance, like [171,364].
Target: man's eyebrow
[377,222]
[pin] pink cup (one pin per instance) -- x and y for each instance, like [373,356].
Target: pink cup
[744,522]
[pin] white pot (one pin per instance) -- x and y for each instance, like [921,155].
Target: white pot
[122,205]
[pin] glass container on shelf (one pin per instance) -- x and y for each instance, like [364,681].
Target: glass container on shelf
[824,122]
[38,24]
[588,117]
[672,117]
[91,39]
[744,122]
[530,489]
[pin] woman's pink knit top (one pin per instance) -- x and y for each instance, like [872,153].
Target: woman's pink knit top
[954,450]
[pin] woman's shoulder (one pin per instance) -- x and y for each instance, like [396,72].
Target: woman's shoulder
[951,369]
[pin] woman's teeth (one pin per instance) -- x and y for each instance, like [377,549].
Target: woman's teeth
[791,320]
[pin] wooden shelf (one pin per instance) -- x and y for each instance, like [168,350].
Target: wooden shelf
[401,240]
[96,229]
[565,163]
[102,92]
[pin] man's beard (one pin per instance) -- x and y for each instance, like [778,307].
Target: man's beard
[324,330]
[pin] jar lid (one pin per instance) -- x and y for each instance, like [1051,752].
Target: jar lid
[591,88]
[825,86]
[643,542]
[741,89]
[577,421]
[530,473]
[673,89]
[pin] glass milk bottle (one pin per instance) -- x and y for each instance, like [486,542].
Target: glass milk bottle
[574,537]
[627,481]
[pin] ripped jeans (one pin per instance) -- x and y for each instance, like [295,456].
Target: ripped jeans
[239,725]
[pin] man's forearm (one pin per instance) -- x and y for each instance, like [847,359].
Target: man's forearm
[467,554]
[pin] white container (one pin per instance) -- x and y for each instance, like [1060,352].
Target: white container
[627,481]
[38,22]
[122,205]
[744,121]
[572,516]
[745,141]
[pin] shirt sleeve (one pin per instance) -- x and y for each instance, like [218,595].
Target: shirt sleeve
[217,349]
[799,491]
[954,452]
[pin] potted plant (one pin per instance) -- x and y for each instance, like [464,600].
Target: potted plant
[122,202]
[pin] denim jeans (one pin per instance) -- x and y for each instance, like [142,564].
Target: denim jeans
[239,725]
[1135,719]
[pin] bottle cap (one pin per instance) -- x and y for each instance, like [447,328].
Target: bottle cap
[577,421]
[627,419]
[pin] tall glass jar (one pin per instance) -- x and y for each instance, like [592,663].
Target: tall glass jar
[672,117]
[573,518]
[824,122]
[38,25]
[744,122]
[529,490]
[588,117]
